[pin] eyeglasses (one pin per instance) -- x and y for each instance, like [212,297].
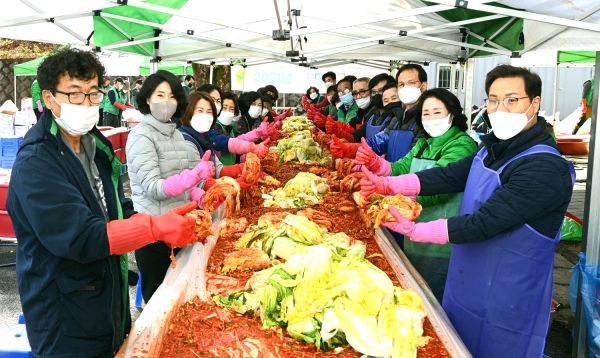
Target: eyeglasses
[217,101]
[509,102]
[360,93]
[376,92]
[79,97]
[346,91]
[409,83]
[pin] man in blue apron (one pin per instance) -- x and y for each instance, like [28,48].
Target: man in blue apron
[517,188]
[402,131]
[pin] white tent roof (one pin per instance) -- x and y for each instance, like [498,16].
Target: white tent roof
[328,30]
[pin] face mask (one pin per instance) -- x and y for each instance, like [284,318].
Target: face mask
[236,118]
[347,99]
[225,118]
[254,111]
[329,99]
[120,87]
[339,105]
[437,127]
[506,125]
[363,103]
[264,112]
[162,111]
[202,122]
[378,101]
[218,108]
[76,120]
[409,94]
[328,84]
[313,95]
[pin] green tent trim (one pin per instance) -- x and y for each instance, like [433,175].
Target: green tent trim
[176,68]
[105,34]
[30,68]
[509,38]
[577,56]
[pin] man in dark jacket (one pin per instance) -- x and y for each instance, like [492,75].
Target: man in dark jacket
[517,188]
[73,223]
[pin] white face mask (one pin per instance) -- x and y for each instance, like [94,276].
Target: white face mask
[218,108]
[328,84]
[225,118]
[120,87]
[506,125]
[254,111]
[202,122]
[363,103]
[76,120]
[437,127]
[313,95]
[264,112]
[236,118]
[409,94]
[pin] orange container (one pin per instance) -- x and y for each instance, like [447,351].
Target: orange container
[6,229]
[573,146]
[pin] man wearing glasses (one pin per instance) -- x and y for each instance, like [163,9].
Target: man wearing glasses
[517,188]
[72,221]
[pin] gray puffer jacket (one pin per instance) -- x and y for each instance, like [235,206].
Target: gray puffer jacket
[155,151]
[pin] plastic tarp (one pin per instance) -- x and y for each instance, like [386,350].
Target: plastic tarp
[577,56]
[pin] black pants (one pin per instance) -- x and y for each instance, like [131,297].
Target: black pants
[153,262]
[110,120]
[38,114]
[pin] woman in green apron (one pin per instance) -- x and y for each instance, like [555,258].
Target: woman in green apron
[446,141]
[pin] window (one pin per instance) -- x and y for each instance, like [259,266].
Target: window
[444,78]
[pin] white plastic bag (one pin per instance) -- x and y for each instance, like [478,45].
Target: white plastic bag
[182,283]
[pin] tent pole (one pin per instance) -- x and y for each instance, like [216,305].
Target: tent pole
[590,240]
[470,78]
[555,93]
[15,87]
[211,74]
[453,78]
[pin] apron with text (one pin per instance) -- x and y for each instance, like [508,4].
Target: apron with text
[431,260]
[499,291]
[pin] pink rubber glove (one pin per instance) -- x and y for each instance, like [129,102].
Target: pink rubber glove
[433,232]
[251,136]
[197,194]
[367,157]
[39,106]
[263,129]
[238,146]
[407,185]
[179,183]
[278,124]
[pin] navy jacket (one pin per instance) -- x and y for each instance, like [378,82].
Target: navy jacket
[401,119]
[536,189]
[71,288]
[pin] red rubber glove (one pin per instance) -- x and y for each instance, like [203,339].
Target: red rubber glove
[324,102]
[342,150]
[173,228]
[583,105]
[320,119]
[232,171]
[120,106]
[261,150]
[330,126]
[242,181]
[365,156]
[347,136]
[433,232]
[218,199]
[129,105]
[288,113]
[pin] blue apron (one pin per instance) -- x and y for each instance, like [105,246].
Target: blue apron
[372,129]
[498,292]
[399,141]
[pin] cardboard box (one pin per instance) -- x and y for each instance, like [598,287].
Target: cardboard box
[7,130]
[21,130]
[23,118]
[7,117]
[26,104]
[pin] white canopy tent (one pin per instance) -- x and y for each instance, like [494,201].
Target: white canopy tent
[326,34]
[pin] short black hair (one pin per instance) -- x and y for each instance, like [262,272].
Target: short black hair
[139,82]
[413,66]
[328,74]
[380,77]
[188,77]
[75,63]
[119,79]
[234,98]
[331,89]
[349,79]
[246,100]
[449,100]
[533,82]
[208,88]
[268,98]
[150,85]
[273,90]
[388,86]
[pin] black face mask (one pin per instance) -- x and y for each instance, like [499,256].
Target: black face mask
[391,106]
[378,101]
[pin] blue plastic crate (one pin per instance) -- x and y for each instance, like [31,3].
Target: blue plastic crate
[14,342]
[7,162]
[10,146]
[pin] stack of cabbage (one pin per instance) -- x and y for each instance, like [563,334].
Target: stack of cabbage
[331,297]
[299,146]
[302,190]
[293,124]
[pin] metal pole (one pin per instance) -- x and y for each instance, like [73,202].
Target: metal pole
[453,78]
[211,74]
[278,18]
[15,87]
[470,80]
[590,241]
[555,94]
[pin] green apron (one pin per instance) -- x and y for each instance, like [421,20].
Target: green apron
[227,158]
[431,260]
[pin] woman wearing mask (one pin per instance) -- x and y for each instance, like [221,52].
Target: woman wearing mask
[312,93]
[251,106]
[200,118]
[446,141]
[160,174]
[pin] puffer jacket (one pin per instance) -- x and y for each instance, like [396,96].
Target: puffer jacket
[155,151]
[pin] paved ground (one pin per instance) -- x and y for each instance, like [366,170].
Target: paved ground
[558,343]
